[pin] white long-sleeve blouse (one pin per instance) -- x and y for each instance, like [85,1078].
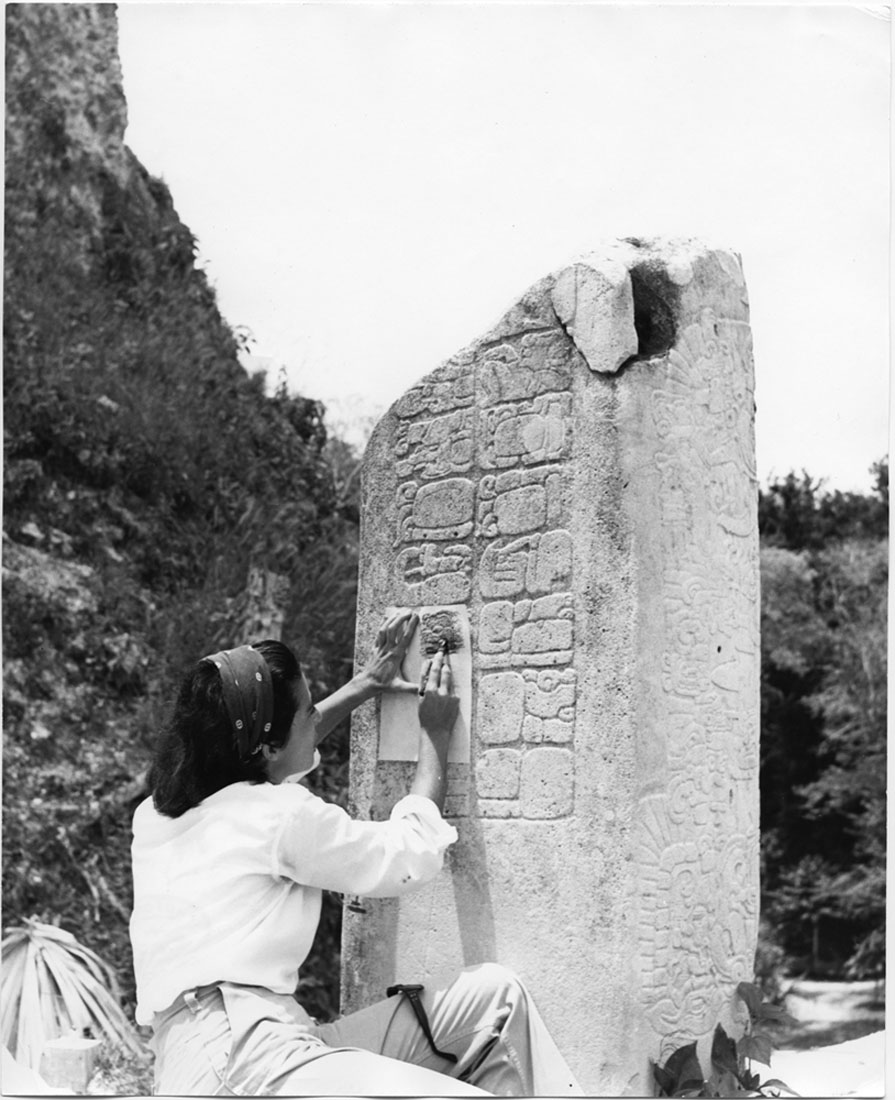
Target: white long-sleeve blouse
[231,890]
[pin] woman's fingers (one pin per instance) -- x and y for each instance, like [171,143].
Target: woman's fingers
[434,677]
[438,706]
[403,687]
[384,668]
[398,628]
[404,629]
[437,675]
[446,680]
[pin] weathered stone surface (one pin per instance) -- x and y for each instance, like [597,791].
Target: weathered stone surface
[67,1063]
[581,482]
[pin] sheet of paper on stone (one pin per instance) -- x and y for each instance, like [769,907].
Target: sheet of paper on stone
[399,723]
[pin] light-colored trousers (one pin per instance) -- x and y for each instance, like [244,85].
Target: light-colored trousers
[233,1040]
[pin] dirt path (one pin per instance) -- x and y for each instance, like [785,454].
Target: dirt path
[828,1013]
[856,1068]
[837,1045]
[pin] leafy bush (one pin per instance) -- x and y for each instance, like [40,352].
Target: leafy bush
[119,1073]
[824,573]
[731,1060]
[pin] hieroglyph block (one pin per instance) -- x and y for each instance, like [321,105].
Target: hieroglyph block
[580,484]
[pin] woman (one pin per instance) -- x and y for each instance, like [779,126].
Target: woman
[230,856]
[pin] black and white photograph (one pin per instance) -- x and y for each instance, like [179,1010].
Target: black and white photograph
[445,548]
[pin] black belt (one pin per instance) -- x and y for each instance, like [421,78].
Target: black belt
[413,995]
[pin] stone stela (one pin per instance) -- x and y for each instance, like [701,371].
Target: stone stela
[572,498]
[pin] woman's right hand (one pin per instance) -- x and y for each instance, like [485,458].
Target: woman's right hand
[438,707]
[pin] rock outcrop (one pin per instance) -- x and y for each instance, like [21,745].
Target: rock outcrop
[155,499]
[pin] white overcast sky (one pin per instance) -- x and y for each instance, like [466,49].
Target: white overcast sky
[372,185]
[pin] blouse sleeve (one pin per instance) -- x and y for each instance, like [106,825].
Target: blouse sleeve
[322,846]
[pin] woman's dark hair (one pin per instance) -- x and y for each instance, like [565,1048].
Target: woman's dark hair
[196,754]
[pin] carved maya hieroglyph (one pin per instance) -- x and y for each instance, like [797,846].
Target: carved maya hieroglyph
[573,498]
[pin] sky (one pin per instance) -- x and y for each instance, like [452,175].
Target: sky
[373,185]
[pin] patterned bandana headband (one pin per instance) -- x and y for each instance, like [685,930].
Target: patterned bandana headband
[248,696]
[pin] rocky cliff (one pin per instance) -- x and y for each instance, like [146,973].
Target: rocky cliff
[65,114]
[156,501]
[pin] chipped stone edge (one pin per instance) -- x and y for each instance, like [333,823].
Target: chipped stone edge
[593,295]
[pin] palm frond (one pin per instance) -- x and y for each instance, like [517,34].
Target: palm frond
[14,958]
[106,1014]
[76,1017]
[53,985]
[29,1032]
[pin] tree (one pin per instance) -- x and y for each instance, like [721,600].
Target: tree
[851,784]
[798,514]
[794,646]
[787,513]
[824,584]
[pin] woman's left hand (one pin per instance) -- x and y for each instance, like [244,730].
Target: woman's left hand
[383,671]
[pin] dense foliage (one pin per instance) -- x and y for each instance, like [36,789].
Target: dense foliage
[824,571]
[157,502]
